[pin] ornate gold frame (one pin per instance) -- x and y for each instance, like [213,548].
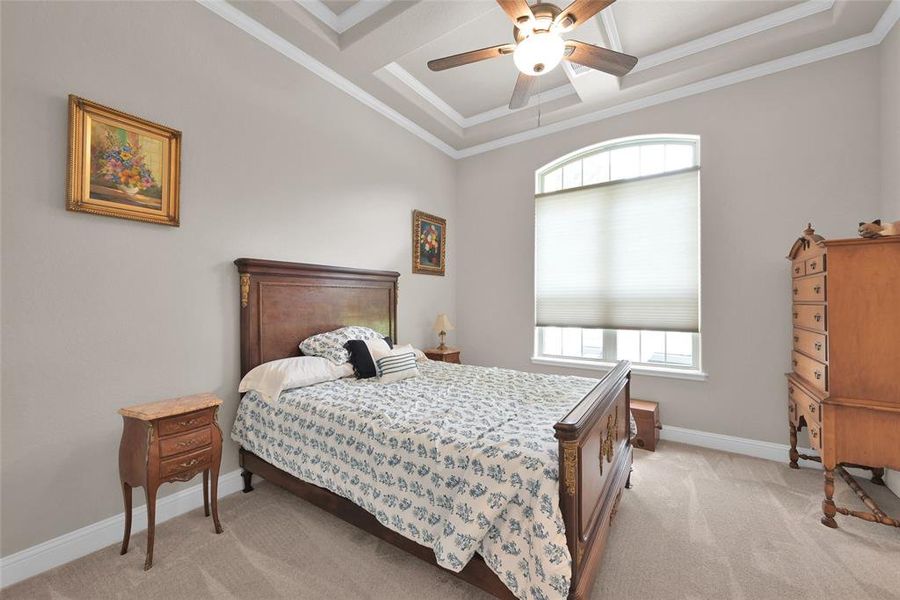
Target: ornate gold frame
[78,196]
[417,267]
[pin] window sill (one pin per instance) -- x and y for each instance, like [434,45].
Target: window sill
[592,365]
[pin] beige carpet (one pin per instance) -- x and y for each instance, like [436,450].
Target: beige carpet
[697,524]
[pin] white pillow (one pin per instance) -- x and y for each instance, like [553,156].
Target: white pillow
[269,379]
[395,365]
[409,348]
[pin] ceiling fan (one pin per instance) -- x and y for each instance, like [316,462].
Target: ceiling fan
[539,46]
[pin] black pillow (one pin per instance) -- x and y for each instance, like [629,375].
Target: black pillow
[361,358]
[389,341]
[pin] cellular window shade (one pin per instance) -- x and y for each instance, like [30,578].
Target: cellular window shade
[622,255]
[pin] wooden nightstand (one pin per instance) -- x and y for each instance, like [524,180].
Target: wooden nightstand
[450,355]
[171,440]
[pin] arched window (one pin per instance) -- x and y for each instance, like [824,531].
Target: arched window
[617,253]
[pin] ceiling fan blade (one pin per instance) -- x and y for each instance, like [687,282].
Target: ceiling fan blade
[580,11]
[602,59]
[516,9]
[457,60]
[522,92]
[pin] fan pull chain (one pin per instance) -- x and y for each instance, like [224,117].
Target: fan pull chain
[539,99]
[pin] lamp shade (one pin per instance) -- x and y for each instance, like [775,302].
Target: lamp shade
[442,323]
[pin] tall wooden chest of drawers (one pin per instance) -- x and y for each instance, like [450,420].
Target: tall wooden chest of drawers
[844,388]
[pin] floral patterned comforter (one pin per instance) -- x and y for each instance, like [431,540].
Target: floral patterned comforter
[460,459]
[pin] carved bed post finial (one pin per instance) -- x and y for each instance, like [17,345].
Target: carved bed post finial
[245,289]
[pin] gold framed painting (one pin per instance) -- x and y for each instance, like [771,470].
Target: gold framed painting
[429,243]
[121,165]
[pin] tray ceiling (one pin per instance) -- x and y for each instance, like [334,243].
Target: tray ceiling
[377,51]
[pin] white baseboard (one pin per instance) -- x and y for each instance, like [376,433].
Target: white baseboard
[78,543]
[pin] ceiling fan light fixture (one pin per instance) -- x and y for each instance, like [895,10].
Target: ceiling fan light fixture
[539,53]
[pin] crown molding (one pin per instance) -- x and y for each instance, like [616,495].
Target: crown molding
[451,113]
[348,19]
[800,59]
[732,34]
[290,51]
[237,18]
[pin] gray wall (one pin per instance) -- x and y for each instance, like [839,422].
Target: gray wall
[776,152]
[890,125]
[99,312]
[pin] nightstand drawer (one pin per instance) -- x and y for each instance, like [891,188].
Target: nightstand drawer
[185,422]
[191,440]
[193,462]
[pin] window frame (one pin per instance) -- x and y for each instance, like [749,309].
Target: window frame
[610,336]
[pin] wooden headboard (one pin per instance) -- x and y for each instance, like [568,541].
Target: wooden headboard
[283,303]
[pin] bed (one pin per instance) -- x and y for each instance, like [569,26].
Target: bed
[494,496]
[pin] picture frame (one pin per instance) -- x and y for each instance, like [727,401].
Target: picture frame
[121,165]
[429,238]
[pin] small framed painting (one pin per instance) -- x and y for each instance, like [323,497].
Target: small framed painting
[121,165]
[429,243]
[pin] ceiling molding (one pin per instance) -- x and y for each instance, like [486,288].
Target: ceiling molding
[800,59]
[287,49]
[732,34]
[451,113]
[348,19]
[608,22]
[239,19]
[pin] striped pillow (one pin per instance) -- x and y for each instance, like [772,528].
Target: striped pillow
[394,366]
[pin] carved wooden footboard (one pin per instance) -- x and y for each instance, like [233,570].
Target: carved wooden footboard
[595,465]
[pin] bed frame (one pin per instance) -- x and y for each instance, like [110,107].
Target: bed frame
[283,303]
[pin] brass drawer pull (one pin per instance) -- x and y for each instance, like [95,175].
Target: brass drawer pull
[796,269]
[817,317]
[795,291]
[818,346]
[796,338]
[812,407]
[814,432]
[187,443]
[189,422]
[796,315]
[818,374]
[812,265]
[817,289]
[190,463]
[794,362]
[790,389]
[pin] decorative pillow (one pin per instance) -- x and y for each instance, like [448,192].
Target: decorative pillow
[361,352]
[271,378]
[396,365]
[409,348]
[330,345]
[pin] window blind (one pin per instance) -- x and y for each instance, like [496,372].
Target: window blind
[620,255]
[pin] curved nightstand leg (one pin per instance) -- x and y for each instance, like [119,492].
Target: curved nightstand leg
[150,492]
[126,495]
[214,484]
[248,479]
[206,493]
[828,506]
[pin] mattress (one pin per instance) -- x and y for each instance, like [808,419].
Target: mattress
[461,459]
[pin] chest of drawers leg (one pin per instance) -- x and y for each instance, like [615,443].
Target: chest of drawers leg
[172,440]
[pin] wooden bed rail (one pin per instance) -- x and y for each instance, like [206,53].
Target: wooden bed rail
[595,465]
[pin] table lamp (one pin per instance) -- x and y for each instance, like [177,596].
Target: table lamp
[441,326]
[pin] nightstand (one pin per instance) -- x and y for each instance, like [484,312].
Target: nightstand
[171,440]
[449,355]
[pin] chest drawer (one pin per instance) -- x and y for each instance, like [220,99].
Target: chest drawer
[809,289]
[798,268]
[191,440]
[811,316]
[183,423]
[815,264]
[812,371]
[189,463]
[811,344]
[804,404]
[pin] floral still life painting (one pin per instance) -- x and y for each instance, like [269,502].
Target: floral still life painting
[429,243]
[121,165]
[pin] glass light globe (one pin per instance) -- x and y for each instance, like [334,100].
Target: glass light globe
[539,53]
